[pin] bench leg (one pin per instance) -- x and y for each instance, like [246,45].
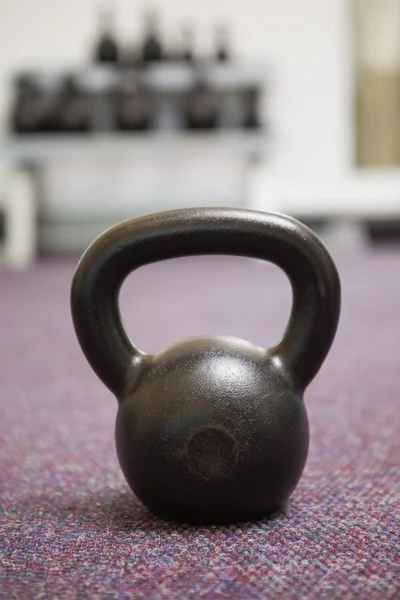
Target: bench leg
[20,222]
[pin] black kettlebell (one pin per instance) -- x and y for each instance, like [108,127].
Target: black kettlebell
[210,430]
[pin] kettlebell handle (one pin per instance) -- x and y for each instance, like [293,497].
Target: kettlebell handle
[273,237]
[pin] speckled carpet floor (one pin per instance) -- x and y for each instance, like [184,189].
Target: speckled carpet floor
[71,529]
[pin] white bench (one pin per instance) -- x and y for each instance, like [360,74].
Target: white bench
[344,205]
[17,205]
[356,196]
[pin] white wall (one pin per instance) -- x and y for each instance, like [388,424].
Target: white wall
[306,45]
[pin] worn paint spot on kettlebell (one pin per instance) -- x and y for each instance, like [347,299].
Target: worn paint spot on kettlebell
[211,452]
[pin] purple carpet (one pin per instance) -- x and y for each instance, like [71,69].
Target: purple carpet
[71,529]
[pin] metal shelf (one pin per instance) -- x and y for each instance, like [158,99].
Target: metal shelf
[49,148]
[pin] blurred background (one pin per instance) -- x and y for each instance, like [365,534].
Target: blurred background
[112,109]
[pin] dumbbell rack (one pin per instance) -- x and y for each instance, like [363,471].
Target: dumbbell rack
[167,139]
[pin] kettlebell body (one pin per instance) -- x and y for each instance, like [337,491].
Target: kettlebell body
[209,430]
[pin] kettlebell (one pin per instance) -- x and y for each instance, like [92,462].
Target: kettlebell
[210,430]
